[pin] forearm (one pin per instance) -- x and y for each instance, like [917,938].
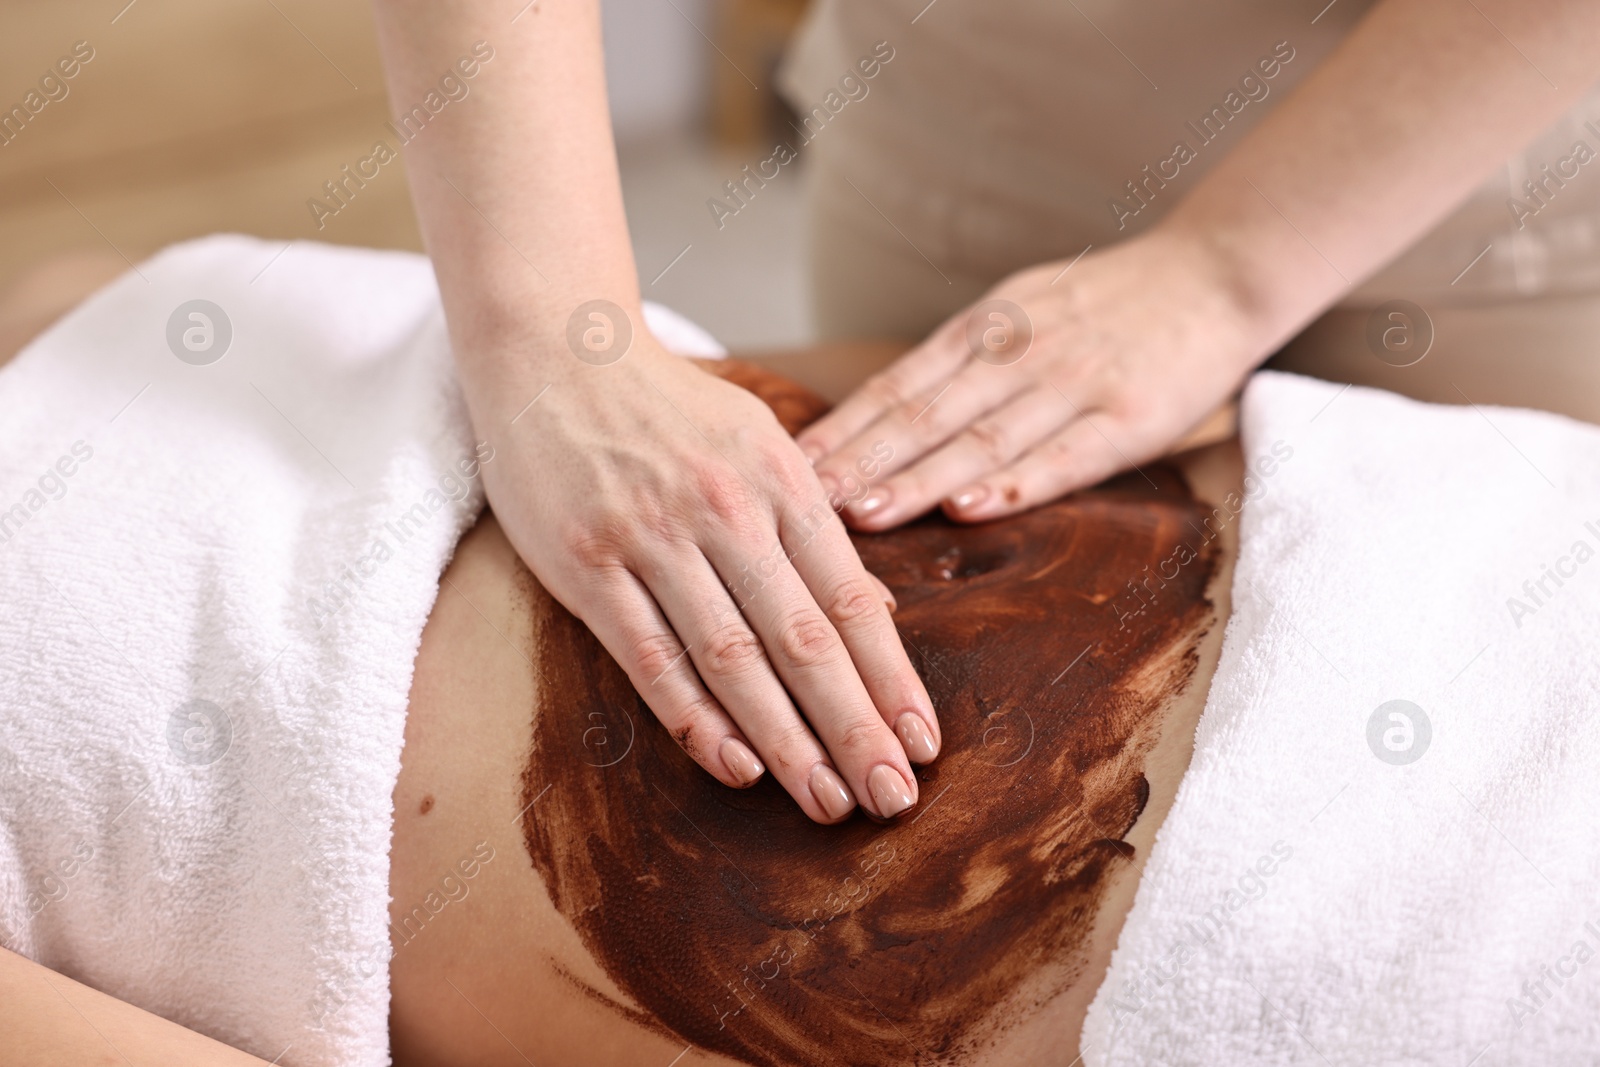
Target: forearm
[1379,144]
[51,1020]
[516,185]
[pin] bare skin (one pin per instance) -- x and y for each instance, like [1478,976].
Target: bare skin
[656,486]
[1140,340]
[659,486]
[482,983]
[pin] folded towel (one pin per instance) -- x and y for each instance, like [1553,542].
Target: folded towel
[229,483]
[1385,849]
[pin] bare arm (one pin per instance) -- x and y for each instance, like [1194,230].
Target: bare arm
[1381,142]
[52,1020]
[664,507]
[1133,346]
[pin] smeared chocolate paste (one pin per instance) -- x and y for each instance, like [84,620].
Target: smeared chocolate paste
[734,922]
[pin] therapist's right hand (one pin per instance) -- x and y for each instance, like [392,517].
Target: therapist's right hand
[642,491]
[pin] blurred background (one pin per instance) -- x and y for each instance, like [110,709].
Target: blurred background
[200,116]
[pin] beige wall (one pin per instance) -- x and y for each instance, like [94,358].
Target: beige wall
[193,116]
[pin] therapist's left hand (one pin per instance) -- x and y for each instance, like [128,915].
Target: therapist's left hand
[1130,349]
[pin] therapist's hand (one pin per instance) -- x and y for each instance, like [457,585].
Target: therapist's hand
[640,493]
[1130,349]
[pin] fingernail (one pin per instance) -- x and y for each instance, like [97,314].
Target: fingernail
[889,793]
[915,738]
[970,497]
[873,501]
[830,792]
[813,452]
[740,761]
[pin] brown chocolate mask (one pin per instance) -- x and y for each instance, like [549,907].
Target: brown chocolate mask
[739,925]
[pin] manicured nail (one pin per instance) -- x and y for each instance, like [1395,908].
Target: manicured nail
[873,501]
[813,452]
[830,792]
[970,497]
[740,761]
[915,738]
[889,793]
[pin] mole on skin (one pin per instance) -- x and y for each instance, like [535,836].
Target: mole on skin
[737,924]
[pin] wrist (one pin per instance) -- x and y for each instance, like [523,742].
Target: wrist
[1212,285]
[1261,269]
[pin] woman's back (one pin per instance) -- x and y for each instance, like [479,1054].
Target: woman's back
[1067,651]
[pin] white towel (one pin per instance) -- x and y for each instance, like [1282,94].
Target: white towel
[213,582]
[1338,885]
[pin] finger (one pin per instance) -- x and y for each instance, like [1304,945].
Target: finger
[920,369]
[811,659]
[825,560]
[1079,456]
[732,663]
[986,446]
[884,591]
[629,623]
[909,433]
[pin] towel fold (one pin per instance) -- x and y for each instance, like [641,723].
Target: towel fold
[1384,850]
[229,483]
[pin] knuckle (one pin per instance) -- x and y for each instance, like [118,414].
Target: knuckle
[885,390]
[807,640]
[654,654]
[852,601]
[795,478]
[792,744]
[992,440]
[596,544]
[724,495]
[733,649]
[859,738]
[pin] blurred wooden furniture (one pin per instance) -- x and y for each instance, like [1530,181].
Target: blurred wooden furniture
[752,36]
[192,117]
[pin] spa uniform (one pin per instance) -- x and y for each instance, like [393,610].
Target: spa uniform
[1007,134]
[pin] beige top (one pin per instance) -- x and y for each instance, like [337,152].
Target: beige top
[1002,132]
